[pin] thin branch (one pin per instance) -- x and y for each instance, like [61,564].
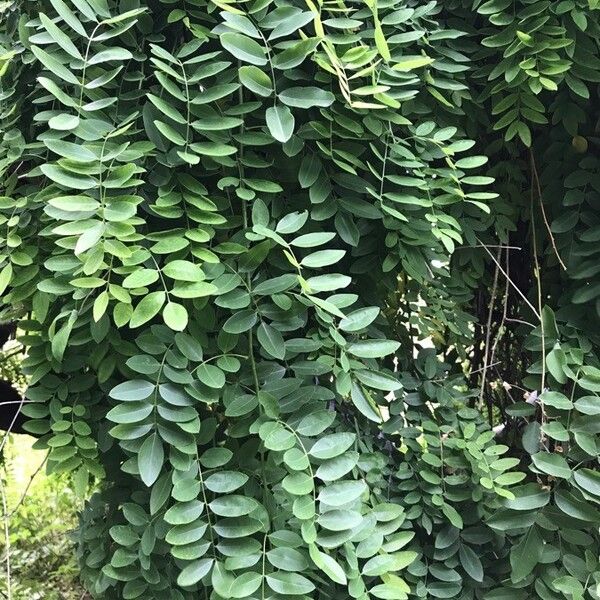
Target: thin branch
[16,402]
[24,494]
[488,333]
[521,322]
[499,331]
[501,246]
[478,370]
[536,180]
[538,278]
[12,424]
[535,312]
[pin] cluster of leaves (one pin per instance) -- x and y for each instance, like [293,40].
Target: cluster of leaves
[226,224]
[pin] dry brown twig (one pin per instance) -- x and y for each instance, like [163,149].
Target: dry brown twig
[538,185]
[488,331]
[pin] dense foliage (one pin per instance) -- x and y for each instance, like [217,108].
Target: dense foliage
[312,289]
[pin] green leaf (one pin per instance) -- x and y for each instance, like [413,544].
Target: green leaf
[452,515]
[181,535]
[130,412]
[310,240]
[570,586]
[5,277]
[189,347]
[246,584]
[68,179]
[112,54]
[131,391]
[175,316]
[183,270]
[233,506]
[588,405]
[287,559]
[471,162]
[291,584]
[61,338]
[470,562]
[244,48]
[528,497]
[54,66]
[342,492]
[332,445]
[166,108]
[556,400]
[225,482]
[68,17]
[271,340]
[276,437]
[359,319]
[588,481]
[100,306]
[373,348]
[255,80]
[298,484]
[292,222]
[195,571]
[552,464]
[184,512]
[364,403]
[211,376]
[328,283]
[64,122]
[378,381]
[340,520]
[148,307]
[408,63]
[328,565]
[280,122]
[322,258]
[295,54]
[213,149]
[336,468]
[150,459]
[574,507]
[71,151]
[525,555]
[306,97]
[385,563]
[140,278]
[240,322]
[60,37]
[555,362]
[170,133]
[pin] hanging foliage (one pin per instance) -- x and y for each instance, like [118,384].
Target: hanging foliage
[310,290]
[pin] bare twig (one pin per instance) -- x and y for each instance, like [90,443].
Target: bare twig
[533,309]
[502,246]
[15,402]
[488,333]
[521,322]
[12,424]
[489,366]
[538,279]
[536,180]
[24,494]
[499,331]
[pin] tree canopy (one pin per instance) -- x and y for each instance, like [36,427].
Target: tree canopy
[311,291]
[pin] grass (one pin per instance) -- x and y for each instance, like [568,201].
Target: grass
[41,516]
